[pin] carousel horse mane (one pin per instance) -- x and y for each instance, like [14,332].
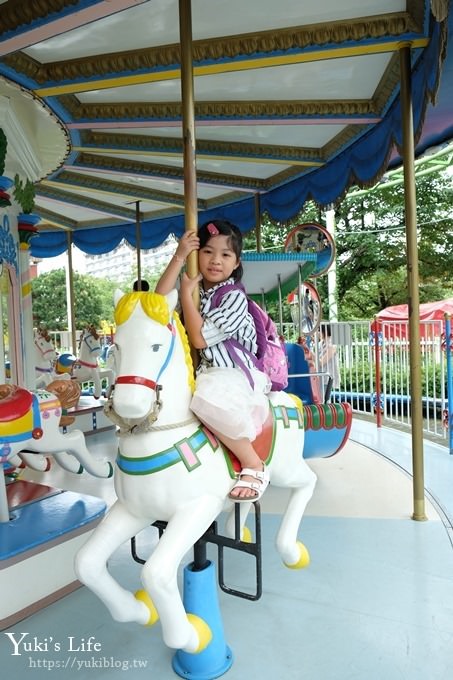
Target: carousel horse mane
[68,393]
[43,333]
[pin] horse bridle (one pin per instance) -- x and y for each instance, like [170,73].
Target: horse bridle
[84,338]
[154,385]
[42,352]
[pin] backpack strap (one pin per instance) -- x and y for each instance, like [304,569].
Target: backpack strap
[223,290]
[231,344]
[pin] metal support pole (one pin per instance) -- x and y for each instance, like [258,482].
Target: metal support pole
[299,302]
[138,244]
[188,127]
[258,223]
[377,361]
[413,282]
[188,136]
[280,304]
[70,297]
[449,358]
[332,273]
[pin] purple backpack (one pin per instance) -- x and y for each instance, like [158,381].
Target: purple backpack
[271,357]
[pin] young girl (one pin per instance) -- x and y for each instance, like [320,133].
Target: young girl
[223,399]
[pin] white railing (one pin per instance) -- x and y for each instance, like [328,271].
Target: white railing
[357,358]
[354,341]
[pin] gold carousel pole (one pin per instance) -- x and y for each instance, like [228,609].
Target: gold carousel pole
[258,223]
[413,282]
[70,294]
[138,244]
[188,128]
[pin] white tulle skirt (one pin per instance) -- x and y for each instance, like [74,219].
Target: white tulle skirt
[225,401]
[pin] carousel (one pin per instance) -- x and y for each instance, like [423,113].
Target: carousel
[172,129]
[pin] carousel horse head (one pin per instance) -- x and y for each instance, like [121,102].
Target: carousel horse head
[44,348]
[89,343]
[151,350]
[86,368]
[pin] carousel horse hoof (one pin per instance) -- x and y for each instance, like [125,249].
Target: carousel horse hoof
[246,535]
[203,631]
[144,597]
[304,558]
[259,485]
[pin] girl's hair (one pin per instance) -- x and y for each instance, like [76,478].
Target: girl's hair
[224,228]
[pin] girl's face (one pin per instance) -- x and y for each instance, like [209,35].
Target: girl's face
[216,261]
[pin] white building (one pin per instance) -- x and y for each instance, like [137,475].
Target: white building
[122,262]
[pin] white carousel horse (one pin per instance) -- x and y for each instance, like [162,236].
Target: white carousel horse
[29,432]
[86,367]
[45,358]
[175,470]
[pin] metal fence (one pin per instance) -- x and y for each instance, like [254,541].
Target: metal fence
[360,361]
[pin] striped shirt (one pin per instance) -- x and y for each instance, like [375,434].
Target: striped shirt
[231,319]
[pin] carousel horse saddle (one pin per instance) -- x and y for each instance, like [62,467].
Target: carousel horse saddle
[15,402]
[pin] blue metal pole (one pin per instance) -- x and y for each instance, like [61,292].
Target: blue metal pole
[201,598]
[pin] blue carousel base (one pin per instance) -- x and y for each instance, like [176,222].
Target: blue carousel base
[37,546]
[200,598]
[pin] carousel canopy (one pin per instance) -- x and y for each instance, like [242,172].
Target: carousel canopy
[293,100]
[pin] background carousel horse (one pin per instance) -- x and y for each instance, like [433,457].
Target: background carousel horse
[45,358]
[110,359]
[29,432]
[86,368]
[171,468]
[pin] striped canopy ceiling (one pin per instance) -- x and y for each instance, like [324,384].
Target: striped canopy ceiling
[293,100]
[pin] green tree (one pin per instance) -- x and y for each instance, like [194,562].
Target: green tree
[93,300]
[371,247]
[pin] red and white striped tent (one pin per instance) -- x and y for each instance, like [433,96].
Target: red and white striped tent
[394,319]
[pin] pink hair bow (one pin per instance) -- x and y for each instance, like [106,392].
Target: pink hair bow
[212,229]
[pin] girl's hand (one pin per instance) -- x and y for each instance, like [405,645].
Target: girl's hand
[188,285]
[188,242]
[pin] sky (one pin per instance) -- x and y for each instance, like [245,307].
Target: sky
[47,264]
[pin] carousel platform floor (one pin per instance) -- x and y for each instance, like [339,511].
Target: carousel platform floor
[375,602]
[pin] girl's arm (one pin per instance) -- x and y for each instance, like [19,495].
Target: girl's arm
[193,321]
[189,241]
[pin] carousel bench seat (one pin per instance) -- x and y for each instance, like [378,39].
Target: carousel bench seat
[327,428]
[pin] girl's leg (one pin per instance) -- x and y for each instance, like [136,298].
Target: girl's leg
[248,458]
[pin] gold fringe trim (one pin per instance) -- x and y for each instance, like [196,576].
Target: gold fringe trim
[213,110]
[24,12]
[230,47]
